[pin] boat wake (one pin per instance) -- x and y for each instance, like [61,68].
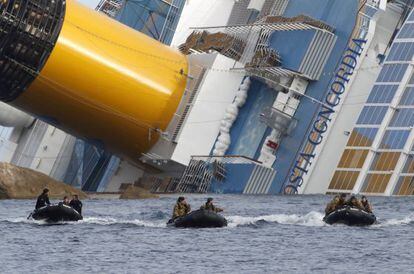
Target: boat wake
[313,218]
[113,221]
[395,222]
[93,220]
[24,221]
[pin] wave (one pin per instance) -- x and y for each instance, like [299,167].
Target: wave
[113,221]
[91,220]
[313,218]
[25,221]
[395,222]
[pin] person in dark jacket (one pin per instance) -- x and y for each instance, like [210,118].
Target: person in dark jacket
[76,204]
[181,208]
[43,199]
[65,200]
[210,206]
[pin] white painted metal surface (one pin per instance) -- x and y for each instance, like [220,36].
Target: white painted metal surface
[12,117]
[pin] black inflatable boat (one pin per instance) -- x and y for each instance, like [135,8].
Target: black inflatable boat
[350,216]
[56,213]
[199,219]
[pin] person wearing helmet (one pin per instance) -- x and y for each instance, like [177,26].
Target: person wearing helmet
[354,202]
[366,205]
[332,205]
[342,201]
[210,206]
[181,208]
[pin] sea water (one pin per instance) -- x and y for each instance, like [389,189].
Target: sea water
[266,234]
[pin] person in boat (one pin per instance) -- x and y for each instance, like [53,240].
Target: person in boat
[337,202]
[342,201]
[76,204]
[332,205]
[43,199]
[366,205]
[354,202]
[65,201]
[181,208]
[210,206]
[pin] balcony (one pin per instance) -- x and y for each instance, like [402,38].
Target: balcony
[278,120]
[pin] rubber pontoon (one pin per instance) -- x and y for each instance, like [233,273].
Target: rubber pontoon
[56,213]
[199,219]
[350,216]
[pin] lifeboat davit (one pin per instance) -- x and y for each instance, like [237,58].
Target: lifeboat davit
[56,213]
[350,216]
[199,219]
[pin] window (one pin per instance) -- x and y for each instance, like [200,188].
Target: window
[402,51]
[405,186]
[372,115]
[407,31]
[344,180]
[376,183]
[156,18]
[5,132]
[362,137]
[370,11]
[353,158]
[409,165]
[408,97]
[385,161]
[382,94]
[392,73]
[411,82]
[394,139]
[403,117]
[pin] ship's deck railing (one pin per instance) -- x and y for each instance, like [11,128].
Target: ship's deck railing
[230,159]
[202,170]
[110,7]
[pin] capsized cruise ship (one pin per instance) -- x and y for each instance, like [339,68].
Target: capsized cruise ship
[303,101]
[258,96]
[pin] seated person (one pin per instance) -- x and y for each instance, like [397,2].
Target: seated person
[65,201]
[342,201]
[181,208]
[366,205]
[354,202]
[43,199]
[210,206]
[76,204]
[332,205]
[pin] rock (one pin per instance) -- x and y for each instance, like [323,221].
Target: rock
[153,184]
[23,183]
[134,192]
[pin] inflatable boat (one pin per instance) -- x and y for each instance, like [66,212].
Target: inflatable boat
[56,213]
[350,216]
[199,219]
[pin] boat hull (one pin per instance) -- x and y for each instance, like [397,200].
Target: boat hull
[350,216]
[56,213]
[199,219]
